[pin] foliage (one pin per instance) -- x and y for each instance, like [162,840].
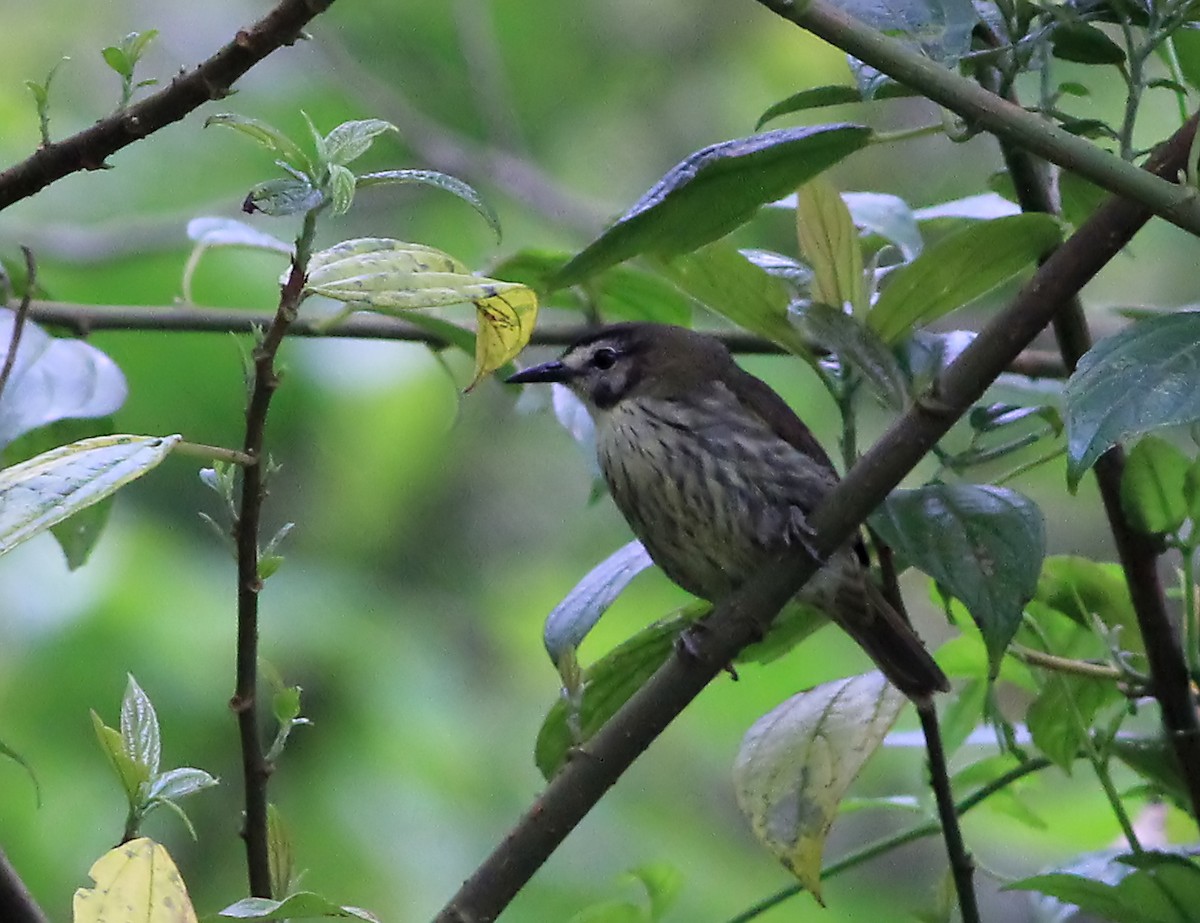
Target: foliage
[874,297]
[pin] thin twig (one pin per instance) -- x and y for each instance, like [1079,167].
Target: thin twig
[89,149]
[255,768]
[741,618]
[18,324]
[83,319]
[888,844]
[16,903]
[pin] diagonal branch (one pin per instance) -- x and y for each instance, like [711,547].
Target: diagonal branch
[742,617]
[89,149]
[1010,123]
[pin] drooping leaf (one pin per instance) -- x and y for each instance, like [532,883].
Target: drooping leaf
[723,280]
[1160,888]
[836,95]
[1153,486]
[796,763]
[608,684]
[1136,381]
[54,379]
[829,244]
[712,192]
[45,490]
[304,905]
[444,181]
[571,620]
[281,197]
[958,269]
[265,134]
[135,881]
[983,544]
[858,346]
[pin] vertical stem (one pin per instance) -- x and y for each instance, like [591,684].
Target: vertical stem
[1191,634]
[962,867]
[256,770]
[16,903]
[14,340]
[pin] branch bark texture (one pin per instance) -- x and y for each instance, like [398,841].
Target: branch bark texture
[742,617]
[89,149]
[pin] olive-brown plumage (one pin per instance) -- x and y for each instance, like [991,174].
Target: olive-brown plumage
[715,474]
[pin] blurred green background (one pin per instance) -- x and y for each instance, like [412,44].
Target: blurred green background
[435,530]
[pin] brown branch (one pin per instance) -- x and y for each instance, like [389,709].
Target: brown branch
[89,149]
[741,618]
[256,770]
[83,319]
[16,903]
[18,324]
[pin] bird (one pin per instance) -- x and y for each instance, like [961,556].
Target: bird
[716,475]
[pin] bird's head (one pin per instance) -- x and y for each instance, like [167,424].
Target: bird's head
[622,361]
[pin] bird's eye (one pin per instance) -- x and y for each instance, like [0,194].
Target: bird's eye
[604,358]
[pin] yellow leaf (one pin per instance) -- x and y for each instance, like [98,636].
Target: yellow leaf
[135,883]
[506,315]
[829,244]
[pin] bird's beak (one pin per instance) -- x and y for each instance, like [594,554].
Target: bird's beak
[547,371]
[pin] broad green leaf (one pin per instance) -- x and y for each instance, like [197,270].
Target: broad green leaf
[281,197]
[53,379]
[983,544]
[1060,718]
[139,727]
[1136,381]
[859,347]
[224,232]
[836,95]
[1153,486]
[1081,588]
[45,490]
[437,180]
[135,881]
[829,244]
[958,269]
[266,135]
[1165,889]
[608,684]
[130,773]
[714,191]
[888,216]
[178,783]
[391,276]
[351,140]
[724,281]
[1153,758]
[302,906]
[797,762]
[1187,48]
[116,59]
[571,620]
[1084,44]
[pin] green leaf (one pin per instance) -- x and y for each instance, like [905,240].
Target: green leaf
[797,761]
[280,852]
[663,884]
[443,181]
[178,783]
[958,269]
[1060,718]
[1153,758]
[1187,48]
[714,191]
[571,620]
[281,197]
[350,140]
[829,244]
[130,773]
[1141,379]
[118,60]
[888,216]
[608,684]
[266,135]
[139,727]
[857,345]
[54,379]
[723,280]
[42,492]
[837,95]
[1166,890]
[1152,486]
[611,912]
[1081,589]
[301,906]
[1084,44]
[983,544]
[341,189]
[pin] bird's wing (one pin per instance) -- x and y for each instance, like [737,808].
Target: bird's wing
[760,399]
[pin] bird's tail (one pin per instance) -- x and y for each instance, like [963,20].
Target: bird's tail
[865,614]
